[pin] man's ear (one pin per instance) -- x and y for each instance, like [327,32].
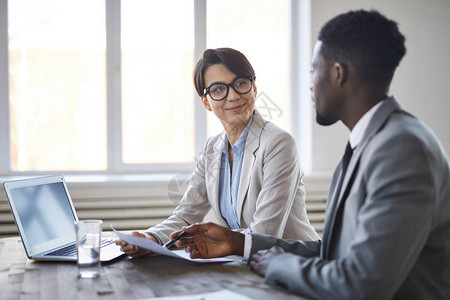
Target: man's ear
[205,102]
[339,73]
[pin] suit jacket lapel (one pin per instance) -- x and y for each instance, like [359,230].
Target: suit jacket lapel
[212,175]
[331,209]
[376,123]
[251,146]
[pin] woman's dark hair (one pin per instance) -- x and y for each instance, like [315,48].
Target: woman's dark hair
[367,40]
[234,60]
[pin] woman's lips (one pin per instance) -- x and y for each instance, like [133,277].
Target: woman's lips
[236,108]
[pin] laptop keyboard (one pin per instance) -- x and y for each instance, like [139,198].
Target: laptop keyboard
[71,250]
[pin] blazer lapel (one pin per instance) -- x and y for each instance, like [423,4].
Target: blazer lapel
[376,123]
[212,175]
[251,146]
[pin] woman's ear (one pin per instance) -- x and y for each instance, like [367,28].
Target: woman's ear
[255,89]
[205,102]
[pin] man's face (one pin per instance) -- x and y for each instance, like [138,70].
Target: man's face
[321,87]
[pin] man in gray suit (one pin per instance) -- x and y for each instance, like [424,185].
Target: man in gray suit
[387,228]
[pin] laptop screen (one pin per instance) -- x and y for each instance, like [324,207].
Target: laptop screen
[44,211]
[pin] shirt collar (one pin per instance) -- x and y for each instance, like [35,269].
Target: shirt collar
[357,134]
[240,143]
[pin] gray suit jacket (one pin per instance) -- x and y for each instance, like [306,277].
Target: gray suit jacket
[394,238]
[271,196]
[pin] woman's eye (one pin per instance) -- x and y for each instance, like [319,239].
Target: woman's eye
[217,89]
[239,83]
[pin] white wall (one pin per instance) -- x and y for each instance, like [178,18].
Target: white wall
[422,81]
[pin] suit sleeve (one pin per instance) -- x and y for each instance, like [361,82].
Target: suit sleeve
[392,227]
[303,248]
[282,193]
[193,206]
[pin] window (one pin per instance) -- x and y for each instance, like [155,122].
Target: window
[157,98]
[106,86]
[57,85]
[260,30]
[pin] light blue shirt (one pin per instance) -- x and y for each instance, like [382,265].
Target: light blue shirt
[229,183]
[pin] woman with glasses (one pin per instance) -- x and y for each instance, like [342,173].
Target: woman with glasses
[250,174]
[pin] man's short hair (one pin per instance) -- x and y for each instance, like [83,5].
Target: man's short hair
[368,41]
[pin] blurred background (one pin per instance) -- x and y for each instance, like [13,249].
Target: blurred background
[102,92]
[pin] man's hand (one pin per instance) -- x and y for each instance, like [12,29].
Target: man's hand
[261,259]
[133,250]
[209,240]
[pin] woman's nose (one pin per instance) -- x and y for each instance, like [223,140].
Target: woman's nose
[232,95]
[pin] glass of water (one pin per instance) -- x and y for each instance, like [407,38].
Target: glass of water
[88,233]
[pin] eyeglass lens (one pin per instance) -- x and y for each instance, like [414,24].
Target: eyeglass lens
[219,91]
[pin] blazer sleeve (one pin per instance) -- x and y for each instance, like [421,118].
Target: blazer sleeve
[392,227]
[193,206]
[282,193]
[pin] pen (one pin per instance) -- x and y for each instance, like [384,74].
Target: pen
[173,241]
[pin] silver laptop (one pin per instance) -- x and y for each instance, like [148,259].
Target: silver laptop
[45,215]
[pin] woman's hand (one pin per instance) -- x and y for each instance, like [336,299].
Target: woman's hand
[133,250]
[209,240]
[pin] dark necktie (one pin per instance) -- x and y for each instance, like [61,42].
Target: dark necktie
[346,159]
[340,204]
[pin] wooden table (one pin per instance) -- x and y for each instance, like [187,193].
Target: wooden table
[124,278]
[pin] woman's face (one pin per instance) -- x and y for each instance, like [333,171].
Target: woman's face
[235,108]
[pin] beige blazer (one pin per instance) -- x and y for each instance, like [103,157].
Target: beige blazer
[271,197]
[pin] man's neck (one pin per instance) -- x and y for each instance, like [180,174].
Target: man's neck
[358,106]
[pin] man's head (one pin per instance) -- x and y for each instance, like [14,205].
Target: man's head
[364,42]
[368,41]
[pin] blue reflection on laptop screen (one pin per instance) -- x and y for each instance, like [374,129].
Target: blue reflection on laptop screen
[44,211]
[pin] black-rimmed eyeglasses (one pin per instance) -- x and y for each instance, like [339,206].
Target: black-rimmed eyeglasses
[219,91]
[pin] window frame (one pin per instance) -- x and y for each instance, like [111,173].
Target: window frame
[300,114]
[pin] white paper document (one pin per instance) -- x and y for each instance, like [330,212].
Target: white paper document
[219,295]
[156,248]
